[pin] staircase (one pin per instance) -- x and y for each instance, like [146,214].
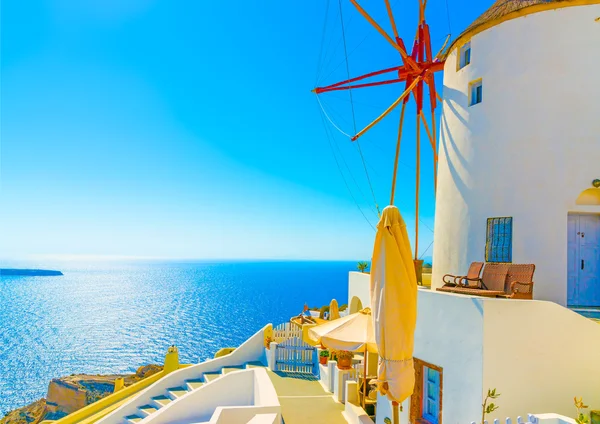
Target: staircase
[173,393]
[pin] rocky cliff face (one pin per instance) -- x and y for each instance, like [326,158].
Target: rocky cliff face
[68,394]
[30,414]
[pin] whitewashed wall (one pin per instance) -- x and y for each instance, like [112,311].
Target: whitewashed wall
[449,334]
[359,286]
[251,350]
[528,150]
[539,355]
[235,397]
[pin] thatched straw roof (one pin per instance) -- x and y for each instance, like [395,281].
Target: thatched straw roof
[500,10]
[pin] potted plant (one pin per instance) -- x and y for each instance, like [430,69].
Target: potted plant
[344,359]
[268,341]
[581,417]
[323,357]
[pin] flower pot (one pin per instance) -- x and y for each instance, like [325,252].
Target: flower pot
[344,363]
[323,360]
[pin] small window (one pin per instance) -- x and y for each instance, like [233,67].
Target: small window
[465,56]
[498,246]
[426,400]
[475,92]
[431,395]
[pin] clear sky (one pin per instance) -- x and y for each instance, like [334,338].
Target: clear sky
[187,129]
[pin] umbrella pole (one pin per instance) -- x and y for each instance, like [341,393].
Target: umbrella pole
[395,412]
[364,398]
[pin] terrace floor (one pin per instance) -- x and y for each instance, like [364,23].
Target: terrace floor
[591,313]
[303,399]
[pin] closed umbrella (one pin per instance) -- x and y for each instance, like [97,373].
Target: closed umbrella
[394,305]
[353,333]
[334,311]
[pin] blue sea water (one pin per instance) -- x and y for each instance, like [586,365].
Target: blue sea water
[112,317]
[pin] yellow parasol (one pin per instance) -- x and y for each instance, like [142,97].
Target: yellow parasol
[394,305]
[334,311]
[353,333]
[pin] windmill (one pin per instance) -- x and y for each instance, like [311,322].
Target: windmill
[417,70]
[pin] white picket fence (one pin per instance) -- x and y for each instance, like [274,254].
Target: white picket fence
[531,419]
[286,331]
[293,355]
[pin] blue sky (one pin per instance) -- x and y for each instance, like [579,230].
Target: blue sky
[188,129]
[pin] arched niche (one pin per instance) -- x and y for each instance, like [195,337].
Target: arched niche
[355,305]
[591,196]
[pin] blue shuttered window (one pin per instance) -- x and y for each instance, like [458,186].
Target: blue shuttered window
[498,246]
[431,394]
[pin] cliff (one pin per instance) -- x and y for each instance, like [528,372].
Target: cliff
[29,272]
[68,394]
[30,414]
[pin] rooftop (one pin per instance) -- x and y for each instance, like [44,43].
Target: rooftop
[503,10]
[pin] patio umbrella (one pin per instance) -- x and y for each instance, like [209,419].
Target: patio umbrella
[334,311]
[394,305]
[353,333]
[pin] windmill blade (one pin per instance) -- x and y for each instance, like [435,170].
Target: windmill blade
[389,109]
[438,56]
[391,16]
[343,85]
[385,35]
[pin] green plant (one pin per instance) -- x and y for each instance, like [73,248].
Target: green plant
[344,354]
[488,409]
[581,417]
[324,353]
[268,341]
[362,266]
[323,310]
[343,307]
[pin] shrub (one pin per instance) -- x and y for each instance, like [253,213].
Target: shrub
[323,310]
[344,354]
[362,266]
[324,353]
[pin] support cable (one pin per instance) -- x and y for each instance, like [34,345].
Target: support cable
[342,174]
[322,43]
[353,114]
[448,16]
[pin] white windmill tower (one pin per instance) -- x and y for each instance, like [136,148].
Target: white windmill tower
[519,154]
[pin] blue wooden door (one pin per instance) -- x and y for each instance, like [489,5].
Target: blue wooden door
[431,395]
[583,260]
[573,260]
[589,267]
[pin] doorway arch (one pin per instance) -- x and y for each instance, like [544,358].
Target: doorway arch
[355,305]
[591,196]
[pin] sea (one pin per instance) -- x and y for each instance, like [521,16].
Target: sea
[104,317]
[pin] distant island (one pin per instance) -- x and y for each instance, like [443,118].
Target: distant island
[29,272]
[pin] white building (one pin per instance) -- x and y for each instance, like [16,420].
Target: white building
[537,354]
[520,147]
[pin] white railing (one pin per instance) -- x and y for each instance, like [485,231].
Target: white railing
[251,350]
[286,331]
[531,419]
[534,419]
[234,397]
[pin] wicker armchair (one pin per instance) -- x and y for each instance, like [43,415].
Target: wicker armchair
[472,275]
[519,282]
[511,281]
